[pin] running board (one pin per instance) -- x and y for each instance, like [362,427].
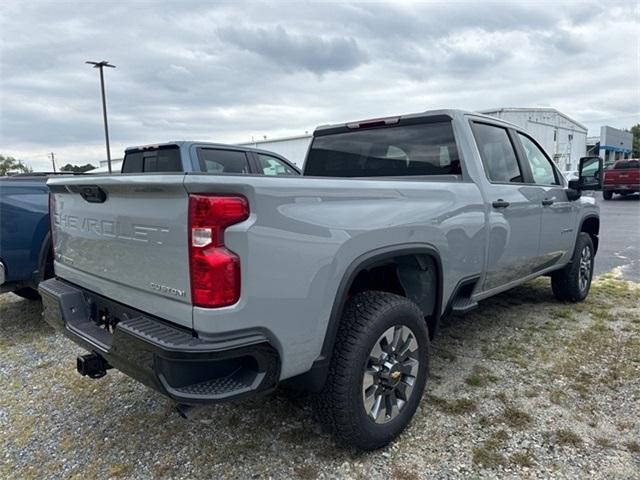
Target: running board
[463,305]
[462,297]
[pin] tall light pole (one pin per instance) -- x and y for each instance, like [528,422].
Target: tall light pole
[52,156]
[101,65]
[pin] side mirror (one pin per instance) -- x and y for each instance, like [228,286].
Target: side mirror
[589,174]
[573,192]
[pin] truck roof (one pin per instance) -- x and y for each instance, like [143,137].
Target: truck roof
[189,143]
[429,113]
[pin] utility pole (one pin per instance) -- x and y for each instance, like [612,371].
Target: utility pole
[100,66]
[53,160]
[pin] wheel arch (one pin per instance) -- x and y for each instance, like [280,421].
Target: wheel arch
[591,225]
[315,378]
[44,256]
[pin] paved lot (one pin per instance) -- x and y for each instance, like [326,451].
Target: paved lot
[619,236]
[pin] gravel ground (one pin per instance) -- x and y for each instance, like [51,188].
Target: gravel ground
[523,386]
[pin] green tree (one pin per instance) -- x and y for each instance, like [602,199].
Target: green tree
[75,168]
[9,164]
[636,140]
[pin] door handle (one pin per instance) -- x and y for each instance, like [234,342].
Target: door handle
[546,202]
[500,204]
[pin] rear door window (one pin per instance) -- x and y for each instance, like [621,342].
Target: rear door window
[497,154]
[229,162]
[272,166]
[403,150]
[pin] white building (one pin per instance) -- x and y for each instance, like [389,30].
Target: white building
[116,165]
[564,139]
[293,149]
[612,144]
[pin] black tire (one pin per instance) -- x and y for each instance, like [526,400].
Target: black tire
[340,407]
[28,293]
[607,194]
[566,283]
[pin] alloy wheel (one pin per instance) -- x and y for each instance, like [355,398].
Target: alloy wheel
[586,264]
[390,373]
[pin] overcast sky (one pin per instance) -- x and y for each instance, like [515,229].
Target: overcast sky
[229,71]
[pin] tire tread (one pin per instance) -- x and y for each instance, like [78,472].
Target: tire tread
[331,405]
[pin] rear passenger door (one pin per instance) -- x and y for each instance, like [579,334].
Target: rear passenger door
[514,210]
[558,213]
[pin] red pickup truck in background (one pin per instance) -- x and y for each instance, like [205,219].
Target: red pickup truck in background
[622,178]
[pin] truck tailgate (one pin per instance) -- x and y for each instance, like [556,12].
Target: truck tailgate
[125,237]
[622,177]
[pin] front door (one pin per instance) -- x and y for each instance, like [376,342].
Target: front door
[557,231]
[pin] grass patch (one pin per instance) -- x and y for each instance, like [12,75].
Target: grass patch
[502,397]
[486,421]
[510,350]
[558,397]
[234,420]
[488,457]
[446,355]
[402,473]
[603,442]
[119,470]
[452,407]
[298,436]
[523,459]
[564,313]
[633,446]
[480,377]
[515,417]
[565,437]
[488,454]
[307,472]
[597,356]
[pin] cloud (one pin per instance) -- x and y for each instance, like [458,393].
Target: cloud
[315,53]
[228,71]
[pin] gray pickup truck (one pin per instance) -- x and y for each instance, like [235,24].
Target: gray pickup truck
[212,287]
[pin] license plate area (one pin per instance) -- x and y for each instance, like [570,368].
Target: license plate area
[93,317]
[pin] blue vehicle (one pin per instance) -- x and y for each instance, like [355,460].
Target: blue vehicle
[25,241]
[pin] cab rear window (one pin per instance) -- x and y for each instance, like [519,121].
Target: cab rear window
[626,165]
[158,160]
[403,150]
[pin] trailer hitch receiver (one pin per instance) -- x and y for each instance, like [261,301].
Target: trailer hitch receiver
[92,365]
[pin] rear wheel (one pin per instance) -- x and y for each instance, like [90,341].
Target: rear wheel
[572,283]
[607,194]
[378,370]
[28,293]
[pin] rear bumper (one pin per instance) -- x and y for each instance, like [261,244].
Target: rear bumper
[621,188]
[170,359]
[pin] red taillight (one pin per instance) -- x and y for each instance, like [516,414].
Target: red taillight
[215,270]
